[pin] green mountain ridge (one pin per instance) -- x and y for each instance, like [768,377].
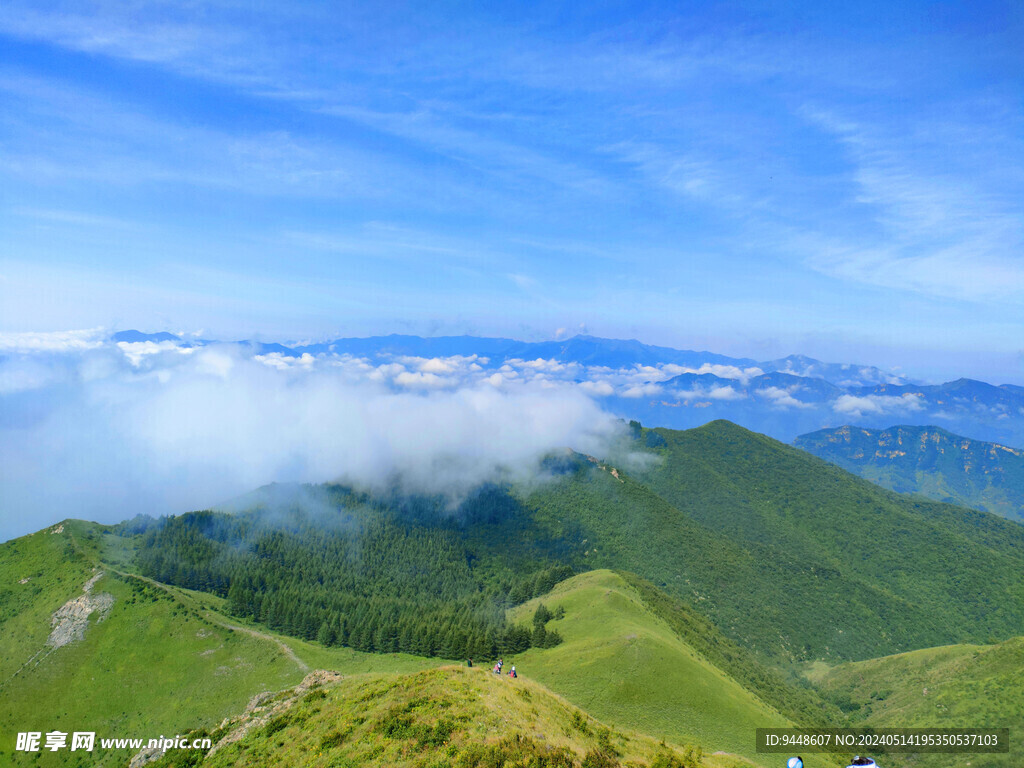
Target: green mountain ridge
[449,716]
[928,461]
[620,664]
[729,561]
[789,555]
[624,664]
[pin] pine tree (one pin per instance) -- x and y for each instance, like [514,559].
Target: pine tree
[325,635]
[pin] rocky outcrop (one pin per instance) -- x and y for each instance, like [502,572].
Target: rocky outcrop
[70,621]
[265,706]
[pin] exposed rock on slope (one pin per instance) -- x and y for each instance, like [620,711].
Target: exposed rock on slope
[72,619]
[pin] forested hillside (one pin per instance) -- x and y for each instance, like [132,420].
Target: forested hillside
[152,659]
[166,660]
[387,575]
[788,555]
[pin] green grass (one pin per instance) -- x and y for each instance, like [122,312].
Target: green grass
[26,608]
[167,660]
[625,665]
[449,716]
[789,556]
[949,686]
[163,662]
[787,693]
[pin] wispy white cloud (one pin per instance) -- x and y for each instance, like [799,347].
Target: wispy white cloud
[138,351]
[170,34]
[284,362]
[742,375]
[725,393]
[52,341]
[642,390]
[857,406]
[517,163]
[523,281]
[397,243]
[783,398]
[421,380]
[660,167]
[946,227]
[73,218]
[104,140]
[701,178]
[600,388]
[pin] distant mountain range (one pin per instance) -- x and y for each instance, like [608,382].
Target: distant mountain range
[680,389]
[584,350]
[928,461]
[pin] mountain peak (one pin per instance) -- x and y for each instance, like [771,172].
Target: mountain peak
[133,336]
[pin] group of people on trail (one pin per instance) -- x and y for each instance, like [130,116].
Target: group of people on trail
[498,667]
[501,663]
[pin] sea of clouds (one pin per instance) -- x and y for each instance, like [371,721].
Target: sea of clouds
[101,430]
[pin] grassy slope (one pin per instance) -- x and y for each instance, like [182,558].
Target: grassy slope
[162,662]
[788,694]
[957,685]
[791,556]
[166,660]
[25,608]
[394,720]
[625,665]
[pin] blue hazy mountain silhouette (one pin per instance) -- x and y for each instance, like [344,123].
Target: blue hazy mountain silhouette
[784,398]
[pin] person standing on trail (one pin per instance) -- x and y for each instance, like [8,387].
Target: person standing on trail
[513,674]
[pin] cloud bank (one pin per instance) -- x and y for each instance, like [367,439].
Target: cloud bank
[101,428]
[107,431]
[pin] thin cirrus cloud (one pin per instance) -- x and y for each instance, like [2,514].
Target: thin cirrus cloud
[946,210]
[101,140]
[162,35]
[678,174]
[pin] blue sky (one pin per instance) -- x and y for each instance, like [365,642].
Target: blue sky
[840,180]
